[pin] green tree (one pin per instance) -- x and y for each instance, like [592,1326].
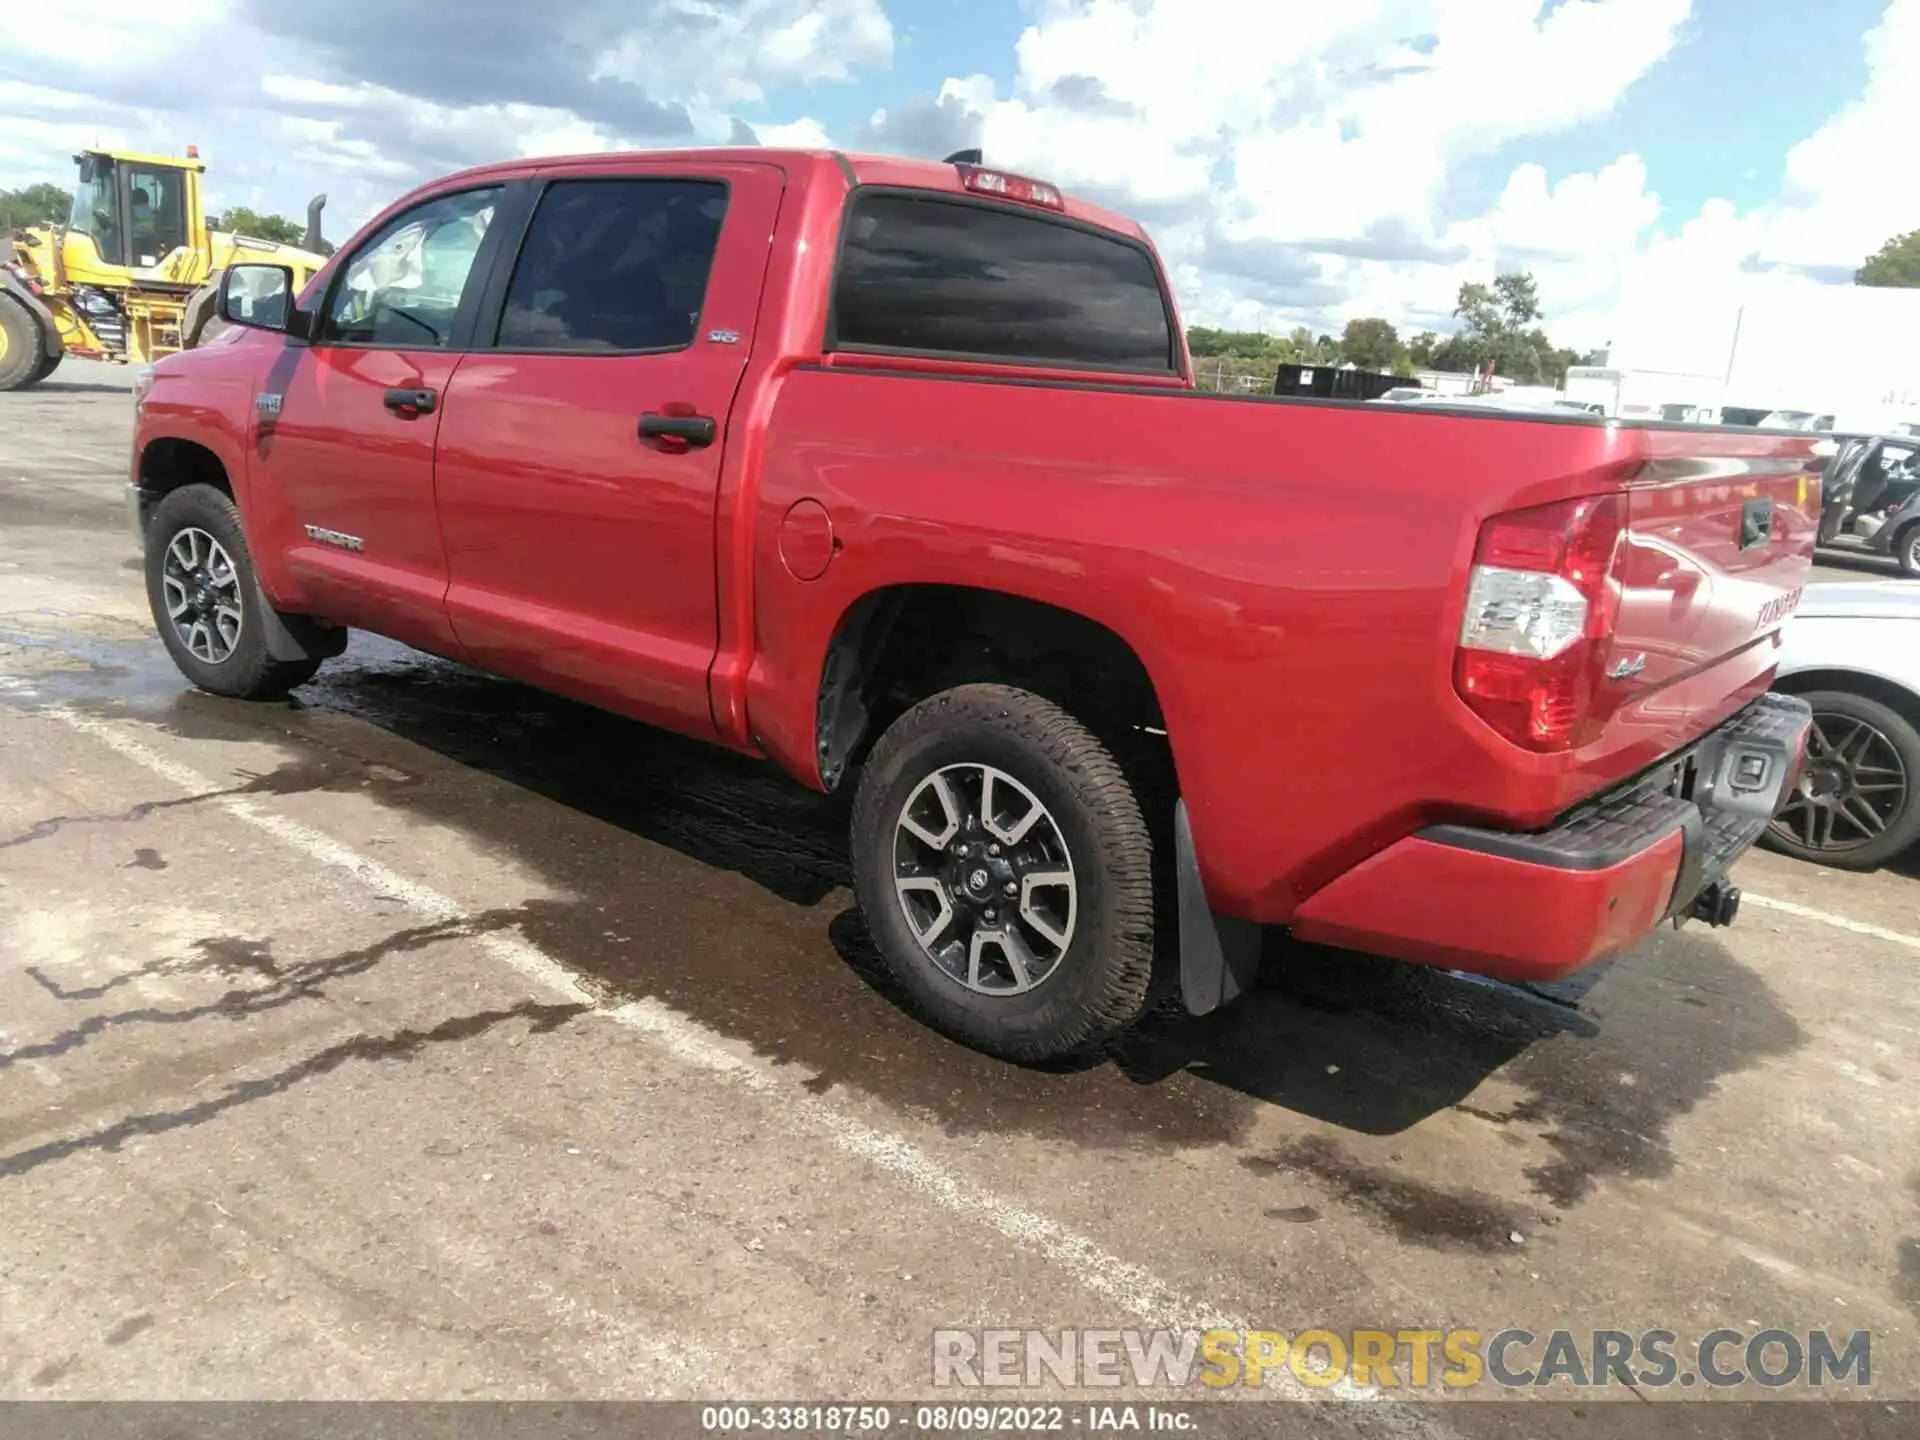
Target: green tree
[41,204]
[239,220]
[1420,350]
[1373,344]
[1896,263]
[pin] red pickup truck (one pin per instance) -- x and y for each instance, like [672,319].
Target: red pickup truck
[894,473]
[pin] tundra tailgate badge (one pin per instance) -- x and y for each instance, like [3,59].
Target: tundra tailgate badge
[1779,608]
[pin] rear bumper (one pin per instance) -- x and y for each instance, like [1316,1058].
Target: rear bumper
[1540,905]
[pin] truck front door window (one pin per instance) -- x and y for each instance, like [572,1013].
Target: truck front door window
[404,287]
[615,265]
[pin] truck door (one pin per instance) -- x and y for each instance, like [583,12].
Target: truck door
[342,471]
[579,458]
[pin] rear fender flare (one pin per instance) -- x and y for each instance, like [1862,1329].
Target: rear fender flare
[51,345]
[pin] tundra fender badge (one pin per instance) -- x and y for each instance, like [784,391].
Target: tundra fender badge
[333,537]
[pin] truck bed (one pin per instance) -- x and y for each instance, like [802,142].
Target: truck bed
[1286,568]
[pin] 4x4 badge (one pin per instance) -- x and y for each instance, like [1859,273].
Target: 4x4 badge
[1627,666]
[267,404]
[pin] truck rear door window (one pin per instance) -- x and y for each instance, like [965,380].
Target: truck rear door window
[925,275]
[614,266]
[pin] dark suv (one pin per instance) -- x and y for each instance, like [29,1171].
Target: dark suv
[1870,501]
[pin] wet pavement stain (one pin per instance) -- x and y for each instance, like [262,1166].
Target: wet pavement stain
[287,780]
[1416,1212]
[1906,1276]
[401,1045]
[715,884]
[55,1372]
[1294,1214]
[286,985]
[145,859]
[1604,1108]
[128,1328]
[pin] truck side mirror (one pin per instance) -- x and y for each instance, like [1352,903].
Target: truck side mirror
[260,297]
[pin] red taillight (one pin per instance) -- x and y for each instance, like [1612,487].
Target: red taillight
[1541,606]
[1012,187]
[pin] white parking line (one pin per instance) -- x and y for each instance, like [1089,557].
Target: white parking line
[1839,922]
[1148,1298]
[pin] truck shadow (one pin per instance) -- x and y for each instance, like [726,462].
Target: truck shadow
[713,884]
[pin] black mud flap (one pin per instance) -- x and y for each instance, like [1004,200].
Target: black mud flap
[295,637]
[1219,955]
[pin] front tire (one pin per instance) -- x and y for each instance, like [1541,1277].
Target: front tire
[1006,873]
[207,602]
[20,352]
[1857,804]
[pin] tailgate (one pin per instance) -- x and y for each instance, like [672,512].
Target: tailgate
[1720,539]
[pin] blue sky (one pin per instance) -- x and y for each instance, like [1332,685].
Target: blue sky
[1297,161]
[1748,80]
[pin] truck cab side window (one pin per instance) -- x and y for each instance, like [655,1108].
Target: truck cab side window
[403,287]
[929,275]
[614,266]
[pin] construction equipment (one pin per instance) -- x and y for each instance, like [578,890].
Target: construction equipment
[129,276]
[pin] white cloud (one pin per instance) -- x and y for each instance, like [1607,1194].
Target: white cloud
[289,108]
[801,134]
[1297,164]
[1301,166]
[747,46]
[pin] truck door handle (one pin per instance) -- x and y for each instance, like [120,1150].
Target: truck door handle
[687,429]
[409,403]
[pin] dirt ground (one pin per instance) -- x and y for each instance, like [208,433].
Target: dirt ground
[427,1037]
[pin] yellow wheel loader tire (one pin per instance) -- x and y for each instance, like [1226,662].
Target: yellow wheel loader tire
[20,353]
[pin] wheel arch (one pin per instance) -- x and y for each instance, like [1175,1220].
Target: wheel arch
[168,462]
[897,643]
[1891,693]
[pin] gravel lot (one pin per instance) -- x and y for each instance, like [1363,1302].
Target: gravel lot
[431,1038]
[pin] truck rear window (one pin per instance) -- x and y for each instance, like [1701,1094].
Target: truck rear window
[927,275]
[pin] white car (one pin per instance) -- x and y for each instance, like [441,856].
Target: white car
[1852,651]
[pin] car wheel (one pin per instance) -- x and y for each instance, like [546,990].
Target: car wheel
[1906,548]
[207,603]
[1006,874]
[1856,805]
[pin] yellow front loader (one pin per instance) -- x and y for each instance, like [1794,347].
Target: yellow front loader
[128,278]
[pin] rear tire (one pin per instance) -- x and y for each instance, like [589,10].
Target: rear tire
[1906,549]
[1030,796]
[20,352]
[207,602]
[48,365]
[1862,772]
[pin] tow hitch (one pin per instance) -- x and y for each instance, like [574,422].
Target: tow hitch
[1717,904]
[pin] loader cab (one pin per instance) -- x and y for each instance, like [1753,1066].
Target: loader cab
[137,209]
